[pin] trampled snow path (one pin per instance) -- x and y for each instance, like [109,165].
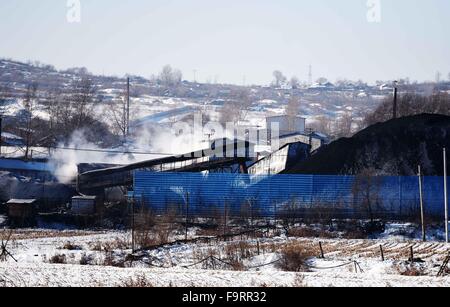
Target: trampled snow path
[34,248]
[87,276]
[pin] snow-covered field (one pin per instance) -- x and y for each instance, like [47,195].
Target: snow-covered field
[94,259]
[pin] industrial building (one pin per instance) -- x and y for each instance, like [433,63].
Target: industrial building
[287,124]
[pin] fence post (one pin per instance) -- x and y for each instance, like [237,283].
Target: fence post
[412,254]
[187,216]
[382,253]
[133,247]
[225,218]
[322,255]
[446,196]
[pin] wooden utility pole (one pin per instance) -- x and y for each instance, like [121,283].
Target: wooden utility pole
[395,107]
[1,119]
[422,212]
[446,196]
[128,106]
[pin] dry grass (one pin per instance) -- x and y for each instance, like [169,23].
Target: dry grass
[411,271]
[299,281]
[306,232]
[36,234]
[109,246]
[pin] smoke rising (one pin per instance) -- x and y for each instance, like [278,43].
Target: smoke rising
[146,144]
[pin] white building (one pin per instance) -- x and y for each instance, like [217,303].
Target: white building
[287,124]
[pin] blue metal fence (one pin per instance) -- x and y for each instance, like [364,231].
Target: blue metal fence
[290,195]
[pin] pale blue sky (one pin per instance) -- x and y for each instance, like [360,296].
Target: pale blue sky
[233,38]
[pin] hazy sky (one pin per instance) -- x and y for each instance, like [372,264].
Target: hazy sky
[227,40]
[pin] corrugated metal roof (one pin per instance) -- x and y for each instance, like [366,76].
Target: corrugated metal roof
[21,201]
[15,164]
[84,198]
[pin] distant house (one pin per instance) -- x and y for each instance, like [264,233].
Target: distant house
[22,212]
[9,139]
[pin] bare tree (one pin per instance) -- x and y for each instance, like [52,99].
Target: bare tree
[410,104]
[279,78]
[366,192]
[344,125]
[322,124]
[170,77]
[322,80]
[118,115]
[29,104]
[292,111]
[237,107]
[293,107]
[83,100]
[5,94]
[294,83]
[83,71]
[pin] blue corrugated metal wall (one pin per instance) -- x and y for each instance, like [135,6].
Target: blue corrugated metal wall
[209,194]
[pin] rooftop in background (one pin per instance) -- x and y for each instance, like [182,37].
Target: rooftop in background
[21,201]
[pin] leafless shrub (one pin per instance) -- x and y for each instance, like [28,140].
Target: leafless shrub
[139,281]
[112,261]
[239,250]
[150,230]
[121,244]
[410,104]
[294,257]
[354,234]
[58,259]
[307,232]
[96,246]
[116,244]
[85,260]
[71,247]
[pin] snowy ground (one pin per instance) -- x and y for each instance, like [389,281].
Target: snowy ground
[97,259]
